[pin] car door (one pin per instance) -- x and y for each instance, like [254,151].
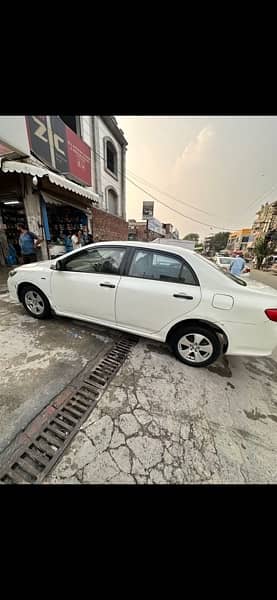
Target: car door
[158,288]
[86,284]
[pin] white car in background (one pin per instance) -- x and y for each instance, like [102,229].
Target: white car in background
[224,262]
[164,293]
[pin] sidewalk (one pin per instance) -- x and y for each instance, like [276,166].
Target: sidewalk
[4,273]
[37,360]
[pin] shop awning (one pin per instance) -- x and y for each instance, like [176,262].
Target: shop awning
[16,166]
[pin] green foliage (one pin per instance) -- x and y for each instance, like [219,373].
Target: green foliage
[193,237]
[262,249]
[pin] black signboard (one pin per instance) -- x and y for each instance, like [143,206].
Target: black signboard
[48,141]
[59,144]
[39,138]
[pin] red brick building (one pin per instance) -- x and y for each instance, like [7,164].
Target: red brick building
[108,227]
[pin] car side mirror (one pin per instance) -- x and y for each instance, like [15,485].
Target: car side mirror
[56,266]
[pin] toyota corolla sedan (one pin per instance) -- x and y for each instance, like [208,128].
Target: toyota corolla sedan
[165,293]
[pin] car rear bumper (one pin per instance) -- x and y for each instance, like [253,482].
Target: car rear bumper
[251,339]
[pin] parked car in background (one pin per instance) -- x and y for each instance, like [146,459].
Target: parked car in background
[269,261]
[224,262]
[165,293]
[274,269]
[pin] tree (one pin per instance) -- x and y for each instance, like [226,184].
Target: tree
[193,237]
[261,249]
[219,241]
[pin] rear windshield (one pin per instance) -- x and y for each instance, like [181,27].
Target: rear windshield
[236,279]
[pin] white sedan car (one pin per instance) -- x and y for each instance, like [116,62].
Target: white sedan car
[165,293]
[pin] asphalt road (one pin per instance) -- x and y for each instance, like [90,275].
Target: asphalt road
[265,277]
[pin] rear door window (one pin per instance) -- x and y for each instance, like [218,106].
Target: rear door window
[160,266]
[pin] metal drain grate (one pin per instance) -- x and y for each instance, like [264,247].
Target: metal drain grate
[41,452]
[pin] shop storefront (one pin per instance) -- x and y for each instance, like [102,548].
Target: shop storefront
[47,203]
[61,220]
[12,212]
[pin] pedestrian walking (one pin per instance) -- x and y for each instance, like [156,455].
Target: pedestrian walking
[237,265]
[28,242]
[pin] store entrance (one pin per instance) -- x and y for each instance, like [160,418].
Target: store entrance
[63,220]
[12,212]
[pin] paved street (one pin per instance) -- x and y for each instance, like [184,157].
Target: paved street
[38,359]
[163,422]
[265,277]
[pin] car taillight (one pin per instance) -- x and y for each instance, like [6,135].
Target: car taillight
[271,314]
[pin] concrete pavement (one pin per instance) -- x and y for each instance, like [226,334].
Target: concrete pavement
[163,422]
[37,360]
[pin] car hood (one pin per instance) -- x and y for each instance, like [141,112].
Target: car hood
[44,264]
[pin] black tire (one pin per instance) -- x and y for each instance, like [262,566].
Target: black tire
[43,310]
[212,349]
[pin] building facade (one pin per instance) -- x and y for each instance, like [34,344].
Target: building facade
[56,173]
[238,240]
[151,229]
[265,222]
[207,245]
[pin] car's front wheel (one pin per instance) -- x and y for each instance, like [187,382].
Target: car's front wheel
[35,302]
[195,346]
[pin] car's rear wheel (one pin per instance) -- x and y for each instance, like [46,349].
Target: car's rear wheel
[195,346]
[35,302]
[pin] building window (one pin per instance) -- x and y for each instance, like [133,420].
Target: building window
[110,157]
[112,201]
[73,122]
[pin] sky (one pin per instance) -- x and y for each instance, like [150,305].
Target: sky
[219,170]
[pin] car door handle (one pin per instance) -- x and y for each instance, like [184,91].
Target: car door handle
[183,296]
[109,285]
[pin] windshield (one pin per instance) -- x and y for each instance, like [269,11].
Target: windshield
[224,273]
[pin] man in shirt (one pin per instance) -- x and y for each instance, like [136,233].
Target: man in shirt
[237,265]
[27,244]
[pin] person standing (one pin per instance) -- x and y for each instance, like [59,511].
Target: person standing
[81,238]
[75,240]
[237,265]
[67,241]
[27,242]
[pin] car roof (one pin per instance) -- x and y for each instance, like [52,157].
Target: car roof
[151,245]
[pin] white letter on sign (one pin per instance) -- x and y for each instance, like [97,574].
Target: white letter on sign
[58,139]
[40,130]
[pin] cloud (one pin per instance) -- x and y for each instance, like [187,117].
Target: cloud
[194,151]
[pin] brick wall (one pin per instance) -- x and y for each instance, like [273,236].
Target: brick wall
[138,232]
[107,227]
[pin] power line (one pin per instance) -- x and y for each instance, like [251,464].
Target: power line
[166,205]
[260,198]
[175,210]
[151,185]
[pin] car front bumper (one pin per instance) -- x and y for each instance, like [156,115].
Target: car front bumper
[12,287]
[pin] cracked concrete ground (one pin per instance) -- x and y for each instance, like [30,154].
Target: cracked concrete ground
[162,422]
[37,360]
